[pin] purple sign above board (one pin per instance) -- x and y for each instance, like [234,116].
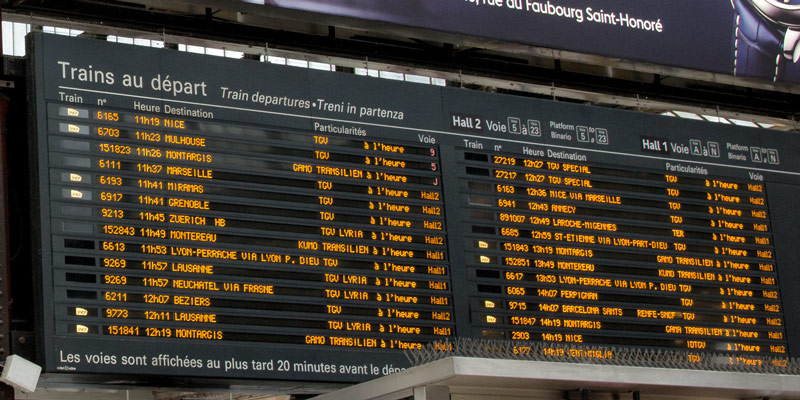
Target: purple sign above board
[752,38]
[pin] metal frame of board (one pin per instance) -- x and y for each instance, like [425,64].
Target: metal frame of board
[460,378]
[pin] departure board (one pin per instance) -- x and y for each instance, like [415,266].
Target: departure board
[208,217]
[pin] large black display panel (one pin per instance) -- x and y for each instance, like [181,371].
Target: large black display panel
[201,216]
